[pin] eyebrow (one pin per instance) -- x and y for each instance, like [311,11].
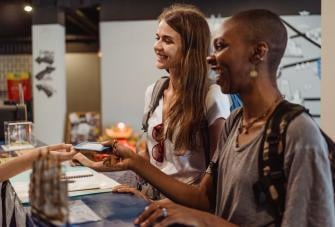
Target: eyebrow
[165,36]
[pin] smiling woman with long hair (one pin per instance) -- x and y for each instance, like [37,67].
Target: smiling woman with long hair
[183,130]
[188,77]
[189,102]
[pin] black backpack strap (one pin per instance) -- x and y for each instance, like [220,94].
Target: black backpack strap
[157,93]
[271,185]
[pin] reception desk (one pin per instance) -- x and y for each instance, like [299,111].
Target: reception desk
[114,209]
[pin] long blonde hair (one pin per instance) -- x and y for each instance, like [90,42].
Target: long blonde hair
[188,107]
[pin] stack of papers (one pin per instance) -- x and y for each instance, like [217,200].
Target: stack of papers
[81,181]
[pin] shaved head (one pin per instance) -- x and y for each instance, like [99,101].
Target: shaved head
[264,25]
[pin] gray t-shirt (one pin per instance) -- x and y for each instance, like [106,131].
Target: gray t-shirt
[309,198]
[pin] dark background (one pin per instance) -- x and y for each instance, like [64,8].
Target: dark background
[81,17]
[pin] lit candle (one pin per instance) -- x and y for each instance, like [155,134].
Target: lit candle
[121,126]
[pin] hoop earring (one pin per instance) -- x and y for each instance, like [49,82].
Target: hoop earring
[253,72]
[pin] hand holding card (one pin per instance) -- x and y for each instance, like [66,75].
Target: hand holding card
[92,146]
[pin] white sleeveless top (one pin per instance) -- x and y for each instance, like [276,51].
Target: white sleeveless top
[187,168]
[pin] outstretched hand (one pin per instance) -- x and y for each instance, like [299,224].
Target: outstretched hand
[121,158]
[63,152]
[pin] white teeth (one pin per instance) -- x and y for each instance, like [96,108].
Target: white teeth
[161,57]
[160,54]
[218,71]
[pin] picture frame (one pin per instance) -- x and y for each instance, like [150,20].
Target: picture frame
[83,127]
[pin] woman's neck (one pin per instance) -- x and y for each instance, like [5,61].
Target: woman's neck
[173,80]
[260,100]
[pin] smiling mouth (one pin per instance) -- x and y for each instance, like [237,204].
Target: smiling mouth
[218,70]
[220,73]
[161,57]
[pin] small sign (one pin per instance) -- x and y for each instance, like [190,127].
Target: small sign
[13,81]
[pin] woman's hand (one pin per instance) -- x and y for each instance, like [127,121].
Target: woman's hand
[98,166]
[62,151]
[83,160]
[121,158]
[123,188]
[165,213]
[23,162]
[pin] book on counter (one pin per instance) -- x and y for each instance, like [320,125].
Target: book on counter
[81,181]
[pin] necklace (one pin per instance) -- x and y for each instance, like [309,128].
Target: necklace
[244,128]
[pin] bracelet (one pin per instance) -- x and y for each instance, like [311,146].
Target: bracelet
[114,144]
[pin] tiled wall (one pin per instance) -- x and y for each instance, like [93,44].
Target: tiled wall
[12,63]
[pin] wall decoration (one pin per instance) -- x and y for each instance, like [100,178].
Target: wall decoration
[50,91]
[47,57]
[41,74]
[83,126]
[47,89]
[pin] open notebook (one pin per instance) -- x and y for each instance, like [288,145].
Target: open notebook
[82,181]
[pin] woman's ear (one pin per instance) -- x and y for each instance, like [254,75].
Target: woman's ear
[259,52]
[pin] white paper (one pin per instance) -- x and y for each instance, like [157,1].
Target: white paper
[85,181]
[81,213]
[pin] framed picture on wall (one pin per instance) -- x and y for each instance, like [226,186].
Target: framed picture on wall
[83,126]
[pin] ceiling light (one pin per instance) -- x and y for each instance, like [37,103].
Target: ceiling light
[28,8]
